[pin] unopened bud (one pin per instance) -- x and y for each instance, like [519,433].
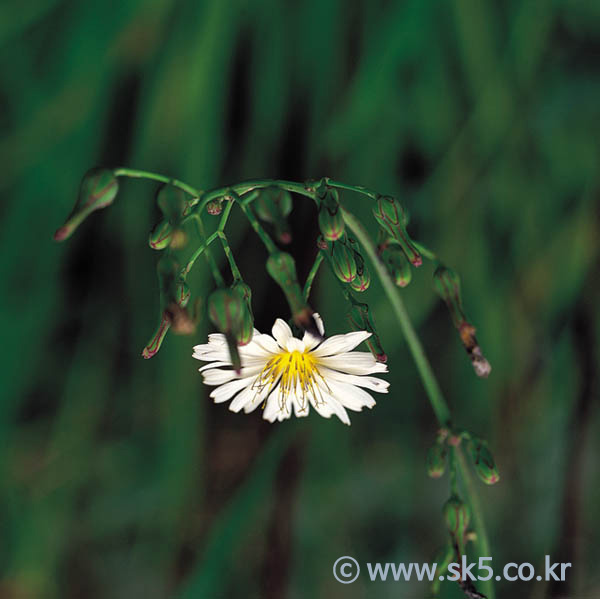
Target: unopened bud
[161,236]
[274,205]
[361,320]
[157,338]
[343,262]
[446,283]
[172,203]
[246,330]
[483,461]
[363,276]
[393,220]
[214,207]
[225,310]
[397,264]
[331,220]
[98,190]
[282,268]
[457,516]
[436,460]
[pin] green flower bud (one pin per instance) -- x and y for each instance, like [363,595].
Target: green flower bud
[161,236]
[247,327]
[274,205]
[397,264]
[436,460]
[457,516]
[331,220]
[98,190]
[282,268]
[157,338]
[172,203]
[483,460]
[363,276]
[343,262]
[361,320]
[393,220]
[225,310]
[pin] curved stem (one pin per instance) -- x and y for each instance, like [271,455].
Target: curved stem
[311,275]
[138,174]
[438,403]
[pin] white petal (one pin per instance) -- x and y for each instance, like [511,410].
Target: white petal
[309,340]
[228,390]
[267,343]
[218,376]
[368,382]
[249,399]
[273,411]
[354,363]
[282,332]
[351,396]
[340,343]
[294,344]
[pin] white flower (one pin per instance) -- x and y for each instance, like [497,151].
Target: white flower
[282,372]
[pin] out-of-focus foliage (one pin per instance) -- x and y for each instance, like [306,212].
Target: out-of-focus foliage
[119,477]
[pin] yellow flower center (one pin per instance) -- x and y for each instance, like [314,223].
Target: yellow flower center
[295,371]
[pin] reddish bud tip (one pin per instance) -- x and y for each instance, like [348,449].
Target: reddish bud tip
[417,261]
[381,358]
[285,238]
[62,233]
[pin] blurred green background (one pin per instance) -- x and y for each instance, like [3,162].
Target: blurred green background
[119,476]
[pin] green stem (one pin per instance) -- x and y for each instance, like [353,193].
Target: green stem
[137,174]
[210,259]
[438,403]
[198,252]
[225,243]
[472,498]
[311,275]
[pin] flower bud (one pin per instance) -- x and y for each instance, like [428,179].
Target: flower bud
[331,220]
[393,220]
[397,264]
[98,190]
[214,207]
[161,236]
[446,283]
[247,327]
[363,276]
[225,310]
[343,262]
[282,268]
[484,463]
[361,320]
[457,516]
[172,203]
[436,460]
[273,205]
[170,315]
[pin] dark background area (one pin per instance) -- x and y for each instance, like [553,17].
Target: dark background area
[119,477]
